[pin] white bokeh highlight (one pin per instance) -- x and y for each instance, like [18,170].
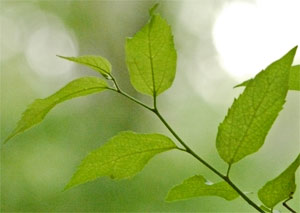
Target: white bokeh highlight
[51,38]
[250,35]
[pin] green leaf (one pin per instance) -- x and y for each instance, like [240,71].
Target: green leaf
[97,63]
[280,188]
[121,157]
[294,79]
[36,112]
[151,57]
[152,9]
[197,186]
[251,116]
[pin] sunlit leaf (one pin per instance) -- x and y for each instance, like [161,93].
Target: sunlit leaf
[294,79]
[197,186]
[36,112]
[252,114]
[97,63]
[151,57]
[280,188]
[121,157]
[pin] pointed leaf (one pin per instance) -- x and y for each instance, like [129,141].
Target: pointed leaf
[251,116]
[294,79]
[151,57]
[36,112]
[152,9]
[197,186]
[97,63]
[121,157]
[280,188]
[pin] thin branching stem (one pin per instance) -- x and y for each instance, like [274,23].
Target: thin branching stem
[187,149]
[287,206]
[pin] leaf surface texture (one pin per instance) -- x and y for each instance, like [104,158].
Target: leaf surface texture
[121,157]
[280,188]
[97,63]
[197,186]
[252,114]
[151,57]
[37,111]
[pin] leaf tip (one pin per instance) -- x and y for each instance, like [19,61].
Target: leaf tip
[153,9]
[63,57]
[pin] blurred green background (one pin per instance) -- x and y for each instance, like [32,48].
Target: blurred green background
[36,165]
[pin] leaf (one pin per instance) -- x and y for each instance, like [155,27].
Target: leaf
[197,186]
[280,188]
[121,157]
[36,112]
[251,116]
[97,63]
[294,79]
[151,57]
[152,9]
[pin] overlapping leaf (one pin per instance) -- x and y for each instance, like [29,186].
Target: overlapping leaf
[294,79]
[197,186]
[97,63]
[121,157]
[251,116]
[280,188]
[36,112]
[151,57]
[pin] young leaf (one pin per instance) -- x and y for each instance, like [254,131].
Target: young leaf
[251,116]
[151,57]
[97,63]
[121,157]
[36,112]
[196,186]
[294,79]
[280,188]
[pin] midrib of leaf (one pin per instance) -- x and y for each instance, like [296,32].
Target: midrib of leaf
[151,61]
[250,124]
[164,73]
[135,153]
[66,96]
[69,95]
[98,67]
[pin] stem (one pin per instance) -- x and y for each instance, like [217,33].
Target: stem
[286,205]
[190,151]
[228,170]
[187,149]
